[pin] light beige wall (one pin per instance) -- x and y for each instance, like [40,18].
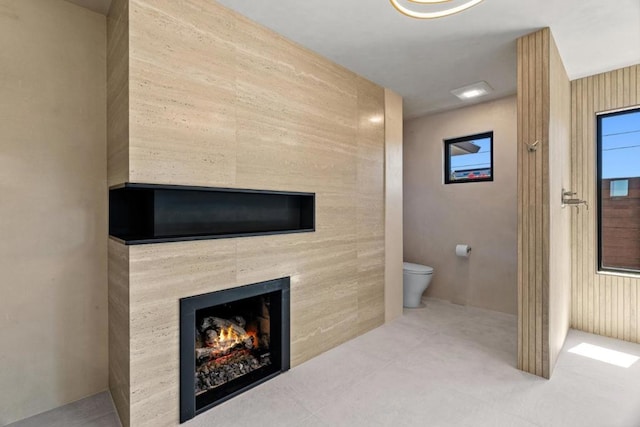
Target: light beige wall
[53,205]
[605,304]
[481,214]
[218,100]
[393,205]
[559,218]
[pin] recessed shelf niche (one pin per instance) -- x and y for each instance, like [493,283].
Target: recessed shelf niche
[152,213]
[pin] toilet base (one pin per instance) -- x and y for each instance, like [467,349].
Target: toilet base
[421,305]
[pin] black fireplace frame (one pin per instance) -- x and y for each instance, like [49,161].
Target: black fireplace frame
[189,306]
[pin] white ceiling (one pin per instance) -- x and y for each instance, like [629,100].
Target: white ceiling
[424,60]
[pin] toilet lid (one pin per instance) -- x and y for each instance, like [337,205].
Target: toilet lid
[410,267]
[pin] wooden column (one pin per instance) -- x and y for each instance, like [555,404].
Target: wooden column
[543,227]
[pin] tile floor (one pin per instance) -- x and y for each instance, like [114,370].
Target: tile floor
[442,365]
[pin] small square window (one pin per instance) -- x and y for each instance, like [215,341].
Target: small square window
[468,159]
[619,188]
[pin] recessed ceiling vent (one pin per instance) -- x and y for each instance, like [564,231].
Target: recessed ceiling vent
[472,91]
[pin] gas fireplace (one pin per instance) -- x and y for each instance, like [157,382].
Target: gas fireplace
[230,341]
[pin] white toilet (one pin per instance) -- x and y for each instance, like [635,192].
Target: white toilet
[416,279]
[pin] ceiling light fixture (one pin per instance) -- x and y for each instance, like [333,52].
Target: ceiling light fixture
[432,15]
[472,91]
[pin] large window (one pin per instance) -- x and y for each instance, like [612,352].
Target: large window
[619,191]
[468,159]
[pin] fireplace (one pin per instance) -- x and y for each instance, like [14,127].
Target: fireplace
[230,341]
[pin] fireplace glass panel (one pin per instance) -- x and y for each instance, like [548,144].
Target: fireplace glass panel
[233,347]
[230,341]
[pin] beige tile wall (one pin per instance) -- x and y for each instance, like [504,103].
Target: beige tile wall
[217,100]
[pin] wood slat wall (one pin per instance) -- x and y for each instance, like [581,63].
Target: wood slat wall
[533,93]
[604,304]
[539,330]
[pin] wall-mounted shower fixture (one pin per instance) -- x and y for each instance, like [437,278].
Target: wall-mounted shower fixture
[568,199]
[533,147]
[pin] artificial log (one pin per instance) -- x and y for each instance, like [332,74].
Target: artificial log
[209,343]
[219,324]
[210,353]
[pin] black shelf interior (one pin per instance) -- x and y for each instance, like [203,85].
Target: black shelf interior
[151,213]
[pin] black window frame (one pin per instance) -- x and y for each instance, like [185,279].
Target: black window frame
[447,158]
[599,118]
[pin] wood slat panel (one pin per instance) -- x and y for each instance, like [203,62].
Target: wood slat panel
[522,212]
[530,256]
[541,180]
[606,304]
[544,116]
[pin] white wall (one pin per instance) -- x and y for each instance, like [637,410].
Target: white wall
[53,206]
[481,214]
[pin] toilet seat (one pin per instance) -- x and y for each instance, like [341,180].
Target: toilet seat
[412,268]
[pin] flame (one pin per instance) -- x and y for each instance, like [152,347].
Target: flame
[228,337]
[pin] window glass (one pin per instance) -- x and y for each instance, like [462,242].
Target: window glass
[469,159]
[619,191]
[619,188]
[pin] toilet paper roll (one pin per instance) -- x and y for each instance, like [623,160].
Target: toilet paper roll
[463,250]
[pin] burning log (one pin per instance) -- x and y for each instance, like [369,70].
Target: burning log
[229,348]
[224,324]
[220,337]
[227,368]
[204,354]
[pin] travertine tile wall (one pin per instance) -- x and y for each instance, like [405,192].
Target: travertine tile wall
[118,93]
[217,100]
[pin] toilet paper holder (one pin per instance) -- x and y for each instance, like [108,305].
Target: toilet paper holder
[463,250]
